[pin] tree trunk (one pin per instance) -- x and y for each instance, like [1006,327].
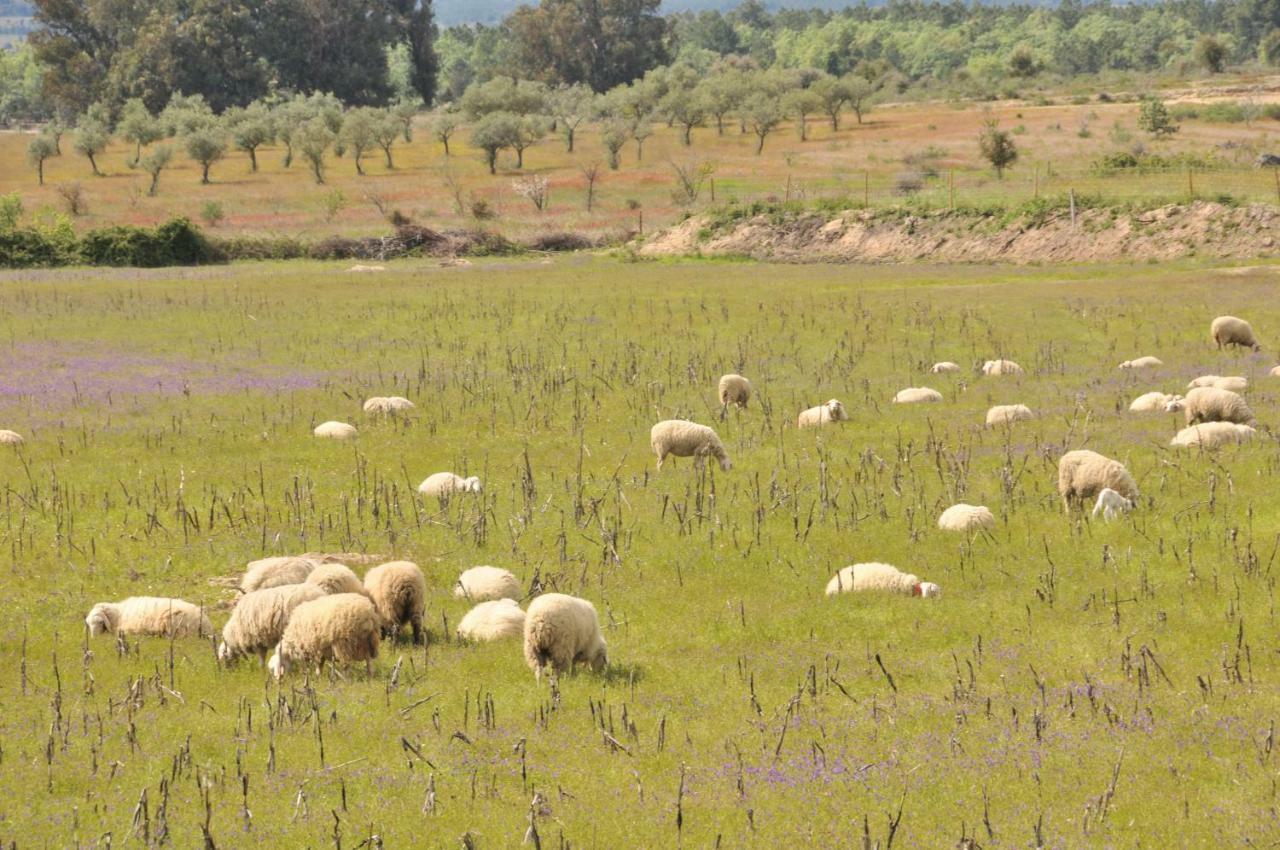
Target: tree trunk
[688,135]
[639,150]
[204,173]
[719,125]
[760,145]
[519,158]
[155,184]
[391,166]
[359,168]
[40,171]
[137,155]
[568,131]
[835,121]
[93,163]
[253,159]
[446,145]
[493,161]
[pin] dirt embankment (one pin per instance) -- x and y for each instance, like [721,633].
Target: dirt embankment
[1201,228]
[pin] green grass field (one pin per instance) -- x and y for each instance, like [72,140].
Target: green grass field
[1078,684]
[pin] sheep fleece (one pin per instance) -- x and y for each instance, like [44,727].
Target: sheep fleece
[495,620]
[562,630]
[258,621]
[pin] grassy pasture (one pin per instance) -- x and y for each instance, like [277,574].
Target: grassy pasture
[1078,684]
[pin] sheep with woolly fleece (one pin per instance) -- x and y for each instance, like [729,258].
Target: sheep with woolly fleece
[387,405]
[964,517]
[10,438]
[399,593]
[1007,414]
[497,619]
[481,584]
[861,578]
[944,367]
[1210,404]
[342,629]
[1275,372]
[917,395]
[277,571]
[1234,383]
[1001,367]
[1142,363]
[157,616]
[335,430]
[735,390]
[335,578]
[1111,504]
[1212,435]
[682,438]
[831,411]
[258,621]
[445,484]
[1156,402]
[561,631]
[1083,474]
[1229,330]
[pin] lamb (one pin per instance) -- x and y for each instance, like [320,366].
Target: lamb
[335,578]
[963,517]
[481,584]
[1155,402]
[445,484]
[734,389]
[944,367]
[277,571]
[1083,474]
[1228,330]
[335,430]
[10,438]
[682,438]
[258,621]
[399,594]
[387,405]
[1211,435]
[498,619]
[562,631]
[1001,367]
[1007,414]
[1210,404]
[873,576]
[1142,363]
[916,395]
[832,411]
[342,628]
[1111,504]
[1235,384]
[149,615]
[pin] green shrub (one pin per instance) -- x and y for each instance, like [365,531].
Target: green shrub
[10,211]
[29,248]
[177,242]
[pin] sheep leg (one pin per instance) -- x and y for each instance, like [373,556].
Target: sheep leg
[416,625]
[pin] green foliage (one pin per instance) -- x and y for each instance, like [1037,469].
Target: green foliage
[997,147]
[763,114]
[1126,161]
[138,126]
[10,210]
[1211,53]
[251,128]
[360,133]
[1154,118]
[1269,48]
[1218,112]
[614,136]
[92,138]
[153,164]
[212,213]
[599,43]
[41,148]
[313,140]
[493,133]
[175,243]
[206,145]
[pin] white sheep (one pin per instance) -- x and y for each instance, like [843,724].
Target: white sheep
[944,367]
[1275,372]
[734,389]
[149,615]
[562,631]
[342,629]
[10,438]
[1210,404]
[880,577]
[445,484]
[1082,474]
[387,405]
[335,430]
[917,395]
[1111,504]
[1211,435]
[1228,330]
[257,622]
[1156,402]
[497,619]
[1142,363]
[682,438]
[832,411]
[1007,414]
[335,578]
[1234,383]
[1001,367]
[399,593]
[481,584]
[277,571]
[963,517]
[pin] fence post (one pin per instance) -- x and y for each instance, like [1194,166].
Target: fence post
[1276,172]
[1035,193]
[866,188]
[1191,182]
[951,188]
[713,190]
[1072,194]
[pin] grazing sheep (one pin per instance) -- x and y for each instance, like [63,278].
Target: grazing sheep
[1111,504]
[445,484]
[1210,404]
[873,576]
[964,517]
[915,395]
[734,389]
[682,438]
[10,438]
[1142,363]
[149,615]
[387,405]
[1156,402]
[1001,367]
[1007,414]
[494,620]
[1275,372]
[1083,474]
[1211,435]
[1228,330]
[342,628]
[335,578]
[277,571]
[562,631]
[480,584]
[399,593]
[335,430]
[1235,383]
[832,411]
[944,367]
[258,620]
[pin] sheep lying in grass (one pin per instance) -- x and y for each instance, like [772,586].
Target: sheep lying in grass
[1156,402]
[149,615]
[944,367]
[1228,330]
[561,631]
[1001,367]
[481,584]
[832,411]
[1210,404]
[1233,383]
[1142,363]
[387,405]
[1212,435]
[335,430]
[335,578]
[682,438]
[917,395]
[963,517]
[343,628]
[1083,474]
[1275,372]
[399,593]
[497,619]
[1111,504]
[734,389]
[860,578]
[445,484]
[1007,414]
[257,622]
[277,571]
[10,438]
